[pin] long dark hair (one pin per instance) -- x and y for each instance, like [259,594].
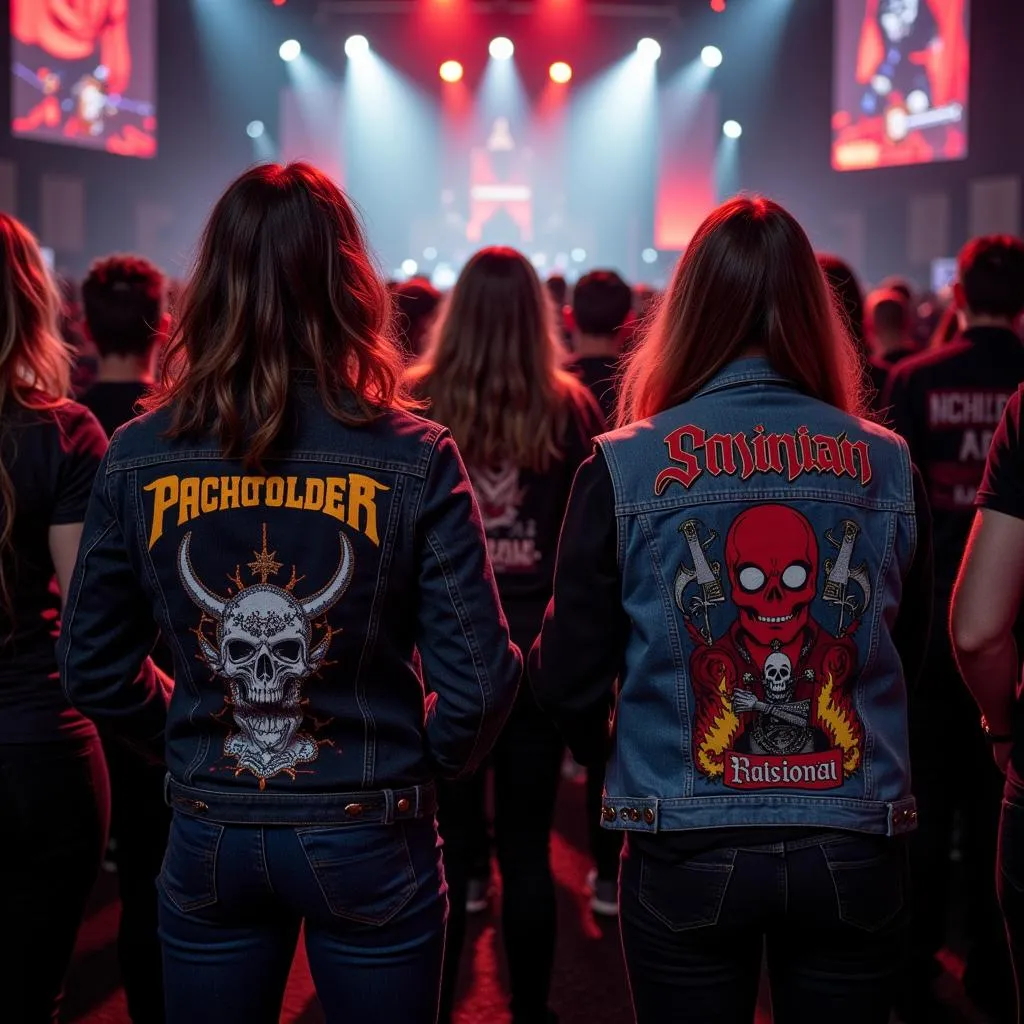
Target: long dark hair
[35,368]
[283,280]
[748,282]
[491,372]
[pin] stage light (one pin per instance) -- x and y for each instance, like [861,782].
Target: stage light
[430,253]
[451,71]
[579,255]
[711,56]
[649,49]
[718,6]
[290,50]
[732,129]
[501,48]
[560,72]
[279,3]
[254,129]
[649,255]
[409,267]
[356,46]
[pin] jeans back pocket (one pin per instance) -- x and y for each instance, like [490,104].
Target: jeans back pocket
[688,894]
[365,872]
[869,878]
[189,872]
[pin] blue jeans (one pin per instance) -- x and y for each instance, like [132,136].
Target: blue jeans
[830,913]
[372,899]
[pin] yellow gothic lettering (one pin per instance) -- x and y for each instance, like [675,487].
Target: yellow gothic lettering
[165,496]
[207,494]
[229,486]
[334,503]
[188,499]
[275,492]
[251,486]
[362,491]
[293,500]
[314,495]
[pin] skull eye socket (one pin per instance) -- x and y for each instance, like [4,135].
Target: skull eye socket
[288,650]
[794,576]
[751,578]
[240,650]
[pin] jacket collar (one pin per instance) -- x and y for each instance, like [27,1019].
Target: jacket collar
[748,370]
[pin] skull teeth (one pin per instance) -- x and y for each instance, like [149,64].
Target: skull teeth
[774,618]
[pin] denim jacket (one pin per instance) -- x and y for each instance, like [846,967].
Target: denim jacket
[294,604]
[762,540]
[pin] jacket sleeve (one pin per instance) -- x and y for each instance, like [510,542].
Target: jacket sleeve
[469,663]
[578,655]
[108,632]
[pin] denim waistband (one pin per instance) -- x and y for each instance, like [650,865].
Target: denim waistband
[379,806]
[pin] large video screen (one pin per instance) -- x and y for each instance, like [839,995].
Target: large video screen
[84,73]
[900,93]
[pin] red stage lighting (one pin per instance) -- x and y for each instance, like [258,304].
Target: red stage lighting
[451,71]
[560,72]
[718,6]
[279,3]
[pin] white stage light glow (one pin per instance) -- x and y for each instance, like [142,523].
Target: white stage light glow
[579,255]
[254,129]
[409,267]
[711,56]
[501,48]
[356,46]
[430,253]
[649,255]
[289,50]
[732,129]
[649,49]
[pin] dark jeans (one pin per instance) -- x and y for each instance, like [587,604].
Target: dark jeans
[605,843]
[55,809]
[527,762]
[829,911]
[371,898]
[1010,877]
[140,822]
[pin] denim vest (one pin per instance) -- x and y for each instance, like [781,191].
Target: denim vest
[763,537]
[298,604]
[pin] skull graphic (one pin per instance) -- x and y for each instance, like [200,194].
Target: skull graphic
[772,558]
[264,650]
[778,677]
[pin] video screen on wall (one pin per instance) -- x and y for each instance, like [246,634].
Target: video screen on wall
[900,92]
[83,73]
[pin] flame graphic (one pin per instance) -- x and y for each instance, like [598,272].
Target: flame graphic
[839,721]
[718,724]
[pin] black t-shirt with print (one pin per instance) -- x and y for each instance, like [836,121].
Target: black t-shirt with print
[113,402]
[522,512]
[947,404]
[51,457]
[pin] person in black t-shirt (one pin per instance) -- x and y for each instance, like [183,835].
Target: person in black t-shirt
[523,426]
[986,608]
[947,404]
[601,306]
[123,298]
[53,780]
[889,312]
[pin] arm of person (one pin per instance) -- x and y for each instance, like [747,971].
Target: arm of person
[64,539]
[108,631]
[914,619]
[987,596]
[468,660]
[578,655]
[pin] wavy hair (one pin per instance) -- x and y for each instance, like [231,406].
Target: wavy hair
[748,283]
[283,280]
[35,368]
[491,372]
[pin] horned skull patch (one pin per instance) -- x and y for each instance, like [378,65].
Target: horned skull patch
[263,647]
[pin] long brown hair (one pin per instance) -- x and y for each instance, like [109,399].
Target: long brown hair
[748,282]
[491,371]
[283,280]
[35,368]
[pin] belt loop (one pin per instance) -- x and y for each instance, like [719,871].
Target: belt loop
[389,806]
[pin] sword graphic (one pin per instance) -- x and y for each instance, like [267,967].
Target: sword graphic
[705,574]
[839,572]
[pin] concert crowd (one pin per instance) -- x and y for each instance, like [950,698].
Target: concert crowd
[315,588]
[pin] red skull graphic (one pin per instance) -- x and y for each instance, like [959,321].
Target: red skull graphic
[772,557]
